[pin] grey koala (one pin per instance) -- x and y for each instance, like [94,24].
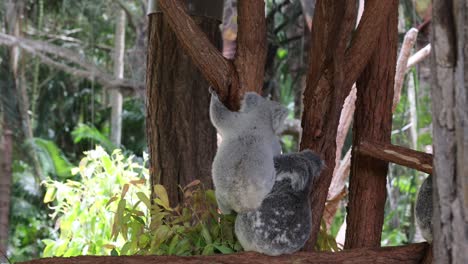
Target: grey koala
[282,224]
[243,168]
[423,209]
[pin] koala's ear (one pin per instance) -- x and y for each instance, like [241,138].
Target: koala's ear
[250,100]
[279,114]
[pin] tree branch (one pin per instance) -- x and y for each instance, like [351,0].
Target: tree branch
[217,70]
[401,67]
[324,101]
[251,45]
[365,40]
[418,56]
[408,254]
[86,69]
[399,155]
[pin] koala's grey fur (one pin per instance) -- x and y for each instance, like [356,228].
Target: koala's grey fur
[423,209]
[243,168]
[282,224]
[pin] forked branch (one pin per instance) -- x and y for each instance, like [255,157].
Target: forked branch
[229,80]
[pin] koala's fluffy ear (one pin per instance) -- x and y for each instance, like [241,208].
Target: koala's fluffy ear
[278,115]
[250,100]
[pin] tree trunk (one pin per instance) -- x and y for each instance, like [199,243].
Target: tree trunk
[6,160]
[115,97]
[450,130]
[372,121]
[182,141]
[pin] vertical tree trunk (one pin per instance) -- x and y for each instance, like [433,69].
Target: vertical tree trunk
[115,97]
[182,141]
[450,124]
[372,121]
[5,182]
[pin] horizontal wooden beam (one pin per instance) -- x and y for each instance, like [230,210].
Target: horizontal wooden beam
[413,253]
[399,155]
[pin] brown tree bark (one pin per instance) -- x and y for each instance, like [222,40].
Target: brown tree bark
[399,155]
[330,80]
[182,141]
[6,161]
[229,79]
[450,130]
[372,121]
[408,254]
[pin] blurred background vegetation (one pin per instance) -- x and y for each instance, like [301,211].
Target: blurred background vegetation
[56,115]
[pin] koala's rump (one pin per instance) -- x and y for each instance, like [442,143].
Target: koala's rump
[280,226]
[243,172]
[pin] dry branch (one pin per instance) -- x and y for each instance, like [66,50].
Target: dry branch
[401,67]
[399,155]
[47,53]
[419,56]
[408,254]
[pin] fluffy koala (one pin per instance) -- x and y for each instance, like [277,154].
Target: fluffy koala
[243,168]
[282,224]
[423,209]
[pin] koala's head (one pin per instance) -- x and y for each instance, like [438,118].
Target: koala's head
[262,112]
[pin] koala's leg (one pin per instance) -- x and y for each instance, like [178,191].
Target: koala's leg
[225,209]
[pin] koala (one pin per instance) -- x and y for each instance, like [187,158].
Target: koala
[282,224]
[423,209]
[243,167]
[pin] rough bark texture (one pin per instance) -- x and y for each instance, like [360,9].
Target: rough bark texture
[215,68]
[182,141]
[399,155]
[251,45]
[409,254]
[373,121]
[6,161]
[230,80]
[327,87]
[450,130]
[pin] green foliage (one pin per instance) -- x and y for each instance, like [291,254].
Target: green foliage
[83,131]
[29,225]
[51,158]
[80,207]
[325,240]
[109,212]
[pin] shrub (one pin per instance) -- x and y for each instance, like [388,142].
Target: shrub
[109,212]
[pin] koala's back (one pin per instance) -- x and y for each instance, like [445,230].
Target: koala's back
[281,225]
[243,172]
[423,209]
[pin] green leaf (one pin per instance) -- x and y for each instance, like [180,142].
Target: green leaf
[50,194]
[142,196]
[83,131]
[114,252]
[172,245]
[206,235]
[50,153]
[223,249]
[161,192]
[208,250]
